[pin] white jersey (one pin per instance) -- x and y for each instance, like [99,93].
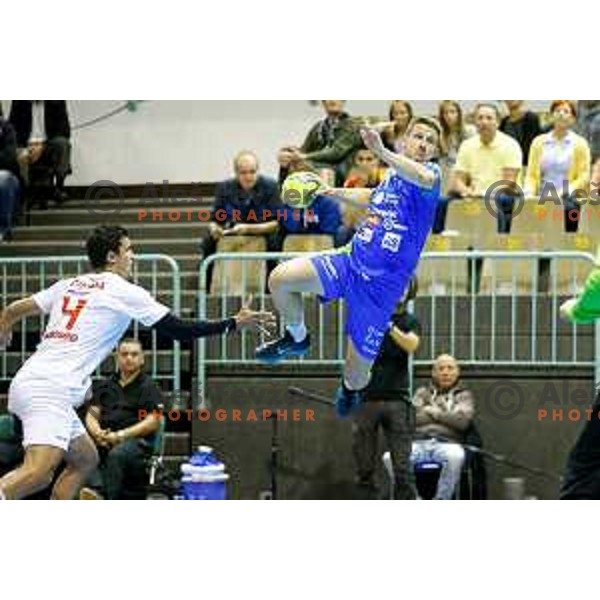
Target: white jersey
[88,316]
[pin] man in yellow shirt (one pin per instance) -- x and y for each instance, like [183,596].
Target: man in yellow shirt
[485,159]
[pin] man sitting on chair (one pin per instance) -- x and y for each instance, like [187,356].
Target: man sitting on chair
[124,442]
[444,412]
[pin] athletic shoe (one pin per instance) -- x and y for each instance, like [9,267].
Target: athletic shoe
[285,347]
[347,401]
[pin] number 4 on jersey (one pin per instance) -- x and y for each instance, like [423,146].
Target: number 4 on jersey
[72,310]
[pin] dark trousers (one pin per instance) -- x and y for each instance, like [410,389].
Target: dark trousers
[9,199]
[582,479]
[397,420]
[53,165]
[123,472]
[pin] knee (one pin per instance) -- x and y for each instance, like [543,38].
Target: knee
[455,454]
[357,378]
[7,179]
[277,278]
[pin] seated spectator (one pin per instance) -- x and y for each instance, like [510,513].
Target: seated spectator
[559,163]
[400,114]
[43,138]
[485,159]
[522,125]
[595,180]
[444,413]
[588,124]
[328,146]
[10,186]
[125,443]
[366,170]
[387,406]
[454,132]
[323,216]
[244,205]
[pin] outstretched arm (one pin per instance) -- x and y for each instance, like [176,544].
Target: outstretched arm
[585,308]
[12,314]
[409,169]
[174,328]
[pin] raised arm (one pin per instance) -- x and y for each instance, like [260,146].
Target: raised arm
[410,169]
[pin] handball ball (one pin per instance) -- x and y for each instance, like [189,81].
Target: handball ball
[300,189]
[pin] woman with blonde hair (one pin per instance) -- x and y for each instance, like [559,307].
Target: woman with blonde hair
[400,114]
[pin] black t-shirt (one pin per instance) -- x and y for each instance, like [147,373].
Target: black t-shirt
[389,375]
[119,406]
[524,130]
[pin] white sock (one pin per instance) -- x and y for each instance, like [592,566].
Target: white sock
[2,495]
[298,332]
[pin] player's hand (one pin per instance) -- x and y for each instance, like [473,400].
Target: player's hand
[566,308]
[239,229]
[372,140]
[216,231]
[247,317]
[5,333]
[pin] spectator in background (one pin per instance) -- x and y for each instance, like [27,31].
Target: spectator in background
[559,163]
[444,413]
[323,216]
[522,125]
[43,138]
[366,171]
[485,159]
[588,124]
[125,442]
[328,146]
[387,406]
[253,195]
[454,132]
[595,179]
[10,186]
[400,115]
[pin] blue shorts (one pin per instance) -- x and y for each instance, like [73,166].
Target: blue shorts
[370,300]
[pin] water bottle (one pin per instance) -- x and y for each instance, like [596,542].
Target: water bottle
[204,477]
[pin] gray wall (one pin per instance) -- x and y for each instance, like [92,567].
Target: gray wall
[185,141]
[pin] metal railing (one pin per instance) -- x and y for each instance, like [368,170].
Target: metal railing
[22,276]
[484,315]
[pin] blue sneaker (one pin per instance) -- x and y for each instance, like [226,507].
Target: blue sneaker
[347,401]
[285,347]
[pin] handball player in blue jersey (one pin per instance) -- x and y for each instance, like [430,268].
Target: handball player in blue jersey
[374,270]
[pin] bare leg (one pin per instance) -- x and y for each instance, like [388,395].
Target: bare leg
[81,459]
[357,369]
[287,282]
[34,474]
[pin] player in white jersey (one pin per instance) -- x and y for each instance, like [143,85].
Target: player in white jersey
[88,315]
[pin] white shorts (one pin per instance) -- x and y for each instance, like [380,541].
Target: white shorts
[46,412]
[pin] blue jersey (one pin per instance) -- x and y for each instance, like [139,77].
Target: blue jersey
[401,215]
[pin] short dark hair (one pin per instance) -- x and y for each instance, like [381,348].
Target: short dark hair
[130,340]
[104,239]
[491,105]
[428,122]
